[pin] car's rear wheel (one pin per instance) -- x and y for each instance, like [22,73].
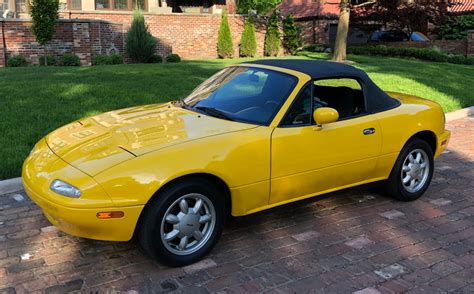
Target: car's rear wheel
[413,170]
[183,222]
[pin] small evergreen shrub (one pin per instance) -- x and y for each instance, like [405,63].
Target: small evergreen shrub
[272,36]
[173,58]
[17,61]
[50,60]
[291,35]
[225,47]
[248,42]
[140,44]
[70,60]
[155,59]
[108,59]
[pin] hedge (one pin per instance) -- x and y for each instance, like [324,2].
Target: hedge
[419,53]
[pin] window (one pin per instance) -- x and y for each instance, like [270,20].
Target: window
[120,4]
[300,112]
[20,6]
[246,94]
[75,4]
[343,94]
[3,5]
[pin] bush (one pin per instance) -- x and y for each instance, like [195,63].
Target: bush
[17,61]
[140,44]
[272,36]
[248,41]
[291,35]
[456,27]
[470,60]
[108,59]
[225,47]
[70,60]
[50,60]
[418,53]
[173,58]
[318,48]
[457,59]
[155,59]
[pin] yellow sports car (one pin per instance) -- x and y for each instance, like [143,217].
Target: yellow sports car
[253,136]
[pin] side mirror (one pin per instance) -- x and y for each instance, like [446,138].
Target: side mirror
[325,115]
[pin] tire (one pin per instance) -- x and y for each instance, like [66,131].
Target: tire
[164,217]
[399,184]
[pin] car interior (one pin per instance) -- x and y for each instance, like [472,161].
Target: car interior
[346,98]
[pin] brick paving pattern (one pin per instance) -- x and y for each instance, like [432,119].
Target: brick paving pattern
[352,241]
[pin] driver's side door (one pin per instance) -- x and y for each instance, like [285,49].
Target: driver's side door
[306,160]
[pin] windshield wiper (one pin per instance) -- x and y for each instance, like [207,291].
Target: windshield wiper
[214,112]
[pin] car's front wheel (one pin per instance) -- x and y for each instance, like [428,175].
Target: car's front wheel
[413,170]
[182,223]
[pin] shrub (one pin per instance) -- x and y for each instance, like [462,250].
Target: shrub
[470,60]
[248,42]
[272,36]
[173,58]
[140,44]
[70,60]
[50,60]
[108,59]
[155,59]
[456,28]
[418,53]
[17,61]
[319,48]
[291,35]
[457,59]
[225,47]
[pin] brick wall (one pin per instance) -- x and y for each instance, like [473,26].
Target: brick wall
[470,43]
[83,38]
[93,33]
[192,36]
[315,31]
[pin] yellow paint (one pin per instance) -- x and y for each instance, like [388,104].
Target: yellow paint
[120,159]
[325,115]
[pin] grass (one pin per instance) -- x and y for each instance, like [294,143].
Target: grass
[35,101]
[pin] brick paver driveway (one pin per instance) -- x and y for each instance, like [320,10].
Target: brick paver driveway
[353,240]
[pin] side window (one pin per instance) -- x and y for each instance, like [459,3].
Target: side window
[300,112]
[343,94]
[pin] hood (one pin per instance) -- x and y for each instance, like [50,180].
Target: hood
[97,143]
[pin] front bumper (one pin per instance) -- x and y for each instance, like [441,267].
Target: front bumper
[442,143]
[77,217]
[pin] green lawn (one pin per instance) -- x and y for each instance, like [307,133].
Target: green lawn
[35,101]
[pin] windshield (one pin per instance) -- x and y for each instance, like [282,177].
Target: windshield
[244,94]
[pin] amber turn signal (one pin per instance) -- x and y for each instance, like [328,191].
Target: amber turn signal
[444,142]
[110,214]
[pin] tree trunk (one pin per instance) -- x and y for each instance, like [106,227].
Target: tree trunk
[342,32]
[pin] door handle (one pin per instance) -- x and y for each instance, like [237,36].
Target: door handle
[369,131]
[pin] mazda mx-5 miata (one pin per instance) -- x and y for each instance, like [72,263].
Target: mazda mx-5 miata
[253,136]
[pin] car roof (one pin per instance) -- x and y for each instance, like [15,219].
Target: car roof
[377,100]
[316,69]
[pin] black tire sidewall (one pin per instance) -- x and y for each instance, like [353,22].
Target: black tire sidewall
[150,224]
[395,185]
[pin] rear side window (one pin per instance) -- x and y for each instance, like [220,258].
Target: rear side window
[343,94]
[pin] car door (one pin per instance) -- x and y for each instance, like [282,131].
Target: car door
[307,159]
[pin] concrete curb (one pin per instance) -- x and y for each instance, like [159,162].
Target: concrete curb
[461,113]
[10,186]
[15,185]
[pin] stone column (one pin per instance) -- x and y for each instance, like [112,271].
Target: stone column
[470,44]
[82,42]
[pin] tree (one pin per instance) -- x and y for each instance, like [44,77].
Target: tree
[225,47]
[248,42]
[272,36]
[44,14]
[340,47]
[260,7]
[291,35]
[140,44]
